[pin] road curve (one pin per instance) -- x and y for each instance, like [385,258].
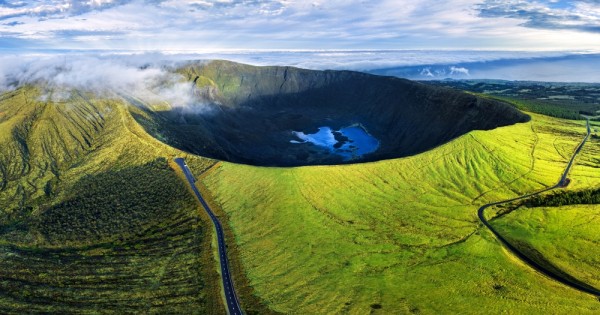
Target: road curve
[233,305]
[561,183]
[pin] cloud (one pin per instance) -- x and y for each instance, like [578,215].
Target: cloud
[53,8]
[144,77]
[367,60]
[12,4]
[147,76]
[459,71]
[583,15]
[264,7]
[427,72]
[292,24]
[572,67]
[13,23]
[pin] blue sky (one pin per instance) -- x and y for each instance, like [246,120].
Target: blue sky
[200,25]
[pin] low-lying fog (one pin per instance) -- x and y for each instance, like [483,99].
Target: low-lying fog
[137,72]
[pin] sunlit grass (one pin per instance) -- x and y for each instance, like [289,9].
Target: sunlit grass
[395,236]
[566,236]
[399,235]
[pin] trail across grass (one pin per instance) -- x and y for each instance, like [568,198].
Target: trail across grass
[534,260]
[567,237]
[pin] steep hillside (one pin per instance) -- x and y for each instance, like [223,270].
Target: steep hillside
[565,238]
[41,141]
[402,235]
[92,218]
[249,115]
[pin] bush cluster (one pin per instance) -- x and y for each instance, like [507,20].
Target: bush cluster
[115,204]
[591,196]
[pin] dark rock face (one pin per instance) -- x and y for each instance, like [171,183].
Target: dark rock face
[255,110]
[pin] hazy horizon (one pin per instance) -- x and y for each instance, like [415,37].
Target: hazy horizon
[548,66]
[541,40]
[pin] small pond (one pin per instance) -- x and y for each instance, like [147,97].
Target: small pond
[350,142]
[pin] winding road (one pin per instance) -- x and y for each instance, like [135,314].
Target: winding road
[233,305]
[563,182]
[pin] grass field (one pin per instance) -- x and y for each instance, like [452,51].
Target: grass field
[92,219]
[401,236]
[567,237]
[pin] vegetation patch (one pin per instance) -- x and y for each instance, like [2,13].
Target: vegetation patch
[129,241]
[118,203]
[564,198]
[561,100]
[565,237]
[92,220]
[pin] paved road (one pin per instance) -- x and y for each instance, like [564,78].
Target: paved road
[563,182]
[233,306]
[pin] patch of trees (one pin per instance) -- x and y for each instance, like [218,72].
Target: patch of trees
[536,97]
[559,110]
[566,198]
[115,204]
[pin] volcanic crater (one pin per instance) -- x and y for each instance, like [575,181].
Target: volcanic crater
[285,116]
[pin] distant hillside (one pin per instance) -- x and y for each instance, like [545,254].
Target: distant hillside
[561,100]
[253,111]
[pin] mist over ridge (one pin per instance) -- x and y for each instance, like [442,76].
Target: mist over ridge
[100,71]
[260,111]
[148,77]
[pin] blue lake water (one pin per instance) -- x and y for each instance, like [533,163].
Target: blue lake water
[352,142]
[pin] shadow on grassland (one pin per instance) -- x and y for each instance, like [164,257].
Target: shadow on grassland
[127,241]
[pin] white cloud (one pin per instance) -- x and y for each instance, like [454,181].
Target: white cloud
[140,76]
[583,15]
[459,71]
[144,75]
[366,59]
[53,8]
[426,72]
[283,24]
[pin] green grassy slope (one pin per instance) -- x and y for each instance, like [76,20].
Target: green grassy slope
[559,228]
[400,235]
[567,237]
[585,172]
[92,219]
